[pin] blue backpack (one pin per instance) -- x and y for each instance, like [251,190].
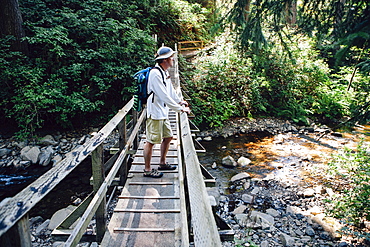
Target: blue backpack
[141,82]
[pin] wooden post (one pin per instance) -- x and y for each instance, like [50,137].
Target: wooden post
[122,130]
[98,178]
[134,122]
[123,172]
[18,235]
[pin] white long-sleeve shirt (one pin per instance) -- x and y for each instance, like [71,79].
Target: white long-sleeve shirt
[165,96]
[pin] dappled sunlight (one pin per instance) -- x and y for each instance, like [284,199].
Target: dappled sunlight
[293,158]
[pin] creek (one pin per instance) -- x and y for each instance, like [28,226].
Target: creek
[286,156]
[75,185]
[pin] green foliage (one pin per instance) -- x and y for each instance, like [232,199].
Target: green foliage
[352,205]
[220,87]
[337,26]
[341,29]
[172,20]
[248,25]
[192,19]
[80,63]
[83,54]
[355,83]
[231,84]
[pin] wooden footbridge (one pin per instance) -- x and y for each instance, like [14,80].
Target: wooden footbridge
[171,211]
[151,212]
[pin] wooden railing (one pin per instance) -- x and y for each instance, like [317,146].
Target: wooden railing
[203,223]
[96,207]
[190,45]
[14,226]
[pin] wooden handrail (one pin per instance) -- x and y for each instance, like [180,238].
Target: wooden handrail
[14,209]
[203,222]
[194,47]
[84,221]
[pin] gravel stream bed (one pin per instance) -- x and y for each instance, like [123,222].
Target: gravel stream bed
[277,201]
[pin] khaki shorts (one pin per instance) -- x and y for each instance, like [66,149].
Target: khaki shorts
[156,130]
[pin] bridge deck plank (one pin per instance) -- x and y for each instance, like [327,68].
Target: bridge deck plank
[148,210]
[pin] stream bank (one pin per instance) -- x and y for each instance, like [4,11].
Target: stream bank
[278,198]
[281,181]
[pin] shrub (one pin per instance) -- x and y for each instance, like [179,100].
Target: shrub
[83,54]
[227,83]
[352,205]
[220,87]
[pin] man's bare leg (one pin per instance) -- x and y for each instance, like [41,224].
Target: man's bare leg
[165,145]
[148,151]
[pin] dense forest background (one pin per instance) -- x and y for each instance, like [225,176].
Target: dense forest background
[69,63]
[65,63]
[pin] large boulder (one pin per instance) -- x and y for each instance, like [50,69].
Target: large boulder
[59,216]
[240,209]
[48,140]
[255,220]
[4,151]
[240,176]
[30,154]
[229,162]
[287,240]
[247,198]
[243,161]
[46,155]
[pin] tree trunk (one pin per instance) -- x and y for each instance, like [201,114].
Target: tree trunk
[339,8]
[247,10]
[291,12]
[11,24]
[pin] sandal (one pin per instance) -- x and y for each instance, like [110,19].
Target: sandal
[166,167]
[153,174]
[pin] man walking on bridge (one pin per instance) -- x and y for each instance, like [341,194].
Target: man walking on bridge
[163,98]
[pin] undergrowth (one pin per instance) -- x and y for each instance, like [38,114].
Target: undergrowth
[351,204]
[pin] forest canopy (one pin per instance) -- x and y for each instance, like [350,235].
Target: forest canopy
[63,62]
[77,57]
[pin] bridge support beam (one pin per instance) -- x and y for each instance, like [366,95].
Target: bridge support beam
[98,178]
[18,235]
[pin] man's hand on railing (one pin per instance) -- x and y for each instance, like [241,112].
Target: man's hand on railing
[184,103]
[186,109]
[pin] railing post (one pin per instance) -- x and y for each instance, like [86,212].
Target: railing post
[98,178]
[18,235]
[122,129]
[134,122]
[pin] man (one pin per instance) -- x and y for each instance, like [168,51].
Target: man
[164,96]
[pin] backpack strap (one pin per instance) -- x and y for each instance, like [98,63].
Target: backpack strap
[160,70]
[155,67]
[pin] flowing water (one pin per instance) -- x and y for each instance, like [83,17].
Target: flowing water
[283,156]
[12,181]
[286,157]
[76,184]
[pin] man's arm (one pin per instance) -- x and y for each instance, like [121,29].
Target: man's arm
[160,92]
